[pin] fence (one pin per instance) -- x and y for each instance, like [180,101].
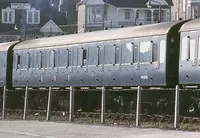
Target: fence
[29,106]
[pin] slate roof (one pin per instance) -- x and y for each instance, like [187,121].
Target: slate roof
[132,3]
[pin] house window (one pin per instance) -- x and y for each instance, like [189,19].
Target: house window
[33,16]
[94,14]
[8,16]
[127,14]
[148,14]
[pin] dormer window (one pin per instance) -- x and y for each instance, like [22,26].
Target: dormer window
[33,16]
[8,16]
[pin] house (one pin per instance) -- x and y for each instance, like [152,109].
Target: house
[25,18]
[186,9]
[105,14]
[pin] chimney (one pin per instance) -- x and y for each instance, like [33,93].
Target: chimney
[60,5]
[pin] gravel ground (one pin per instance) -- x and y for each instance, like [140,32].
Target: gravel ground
[166,124]
[32,129]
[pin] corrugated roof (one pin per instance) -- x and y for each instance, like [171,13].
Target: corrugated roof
[98,36]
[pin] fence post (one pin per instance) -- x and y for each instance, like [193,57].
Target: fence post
[49,103]
[103,105]
[176,113]
[4,102]
[71,106]
[25,103]
[138,112]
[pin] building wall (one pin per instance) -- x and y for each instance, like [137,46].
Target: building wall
[114,16]
[81,18]
[112,13]
[185,9]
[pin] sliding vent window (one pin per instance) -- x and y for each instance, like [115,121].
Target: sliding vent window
[146,51]
[127,53]
[109,57]
[93,56]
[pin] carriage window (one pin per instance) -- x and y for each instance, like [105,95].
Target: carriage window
[18,61]
[52,59]
[184,49]
[14,61]
[39,59]
[24,61]
[117,56]
[127,53]
[29,60]
[62,58]
[146,51]
[82,57]
[100,55]
[109,54]
[69,58]
[135,54]
[155,52]
[43,63]
[162,50]
[93,56]
[192,50]
[33,62]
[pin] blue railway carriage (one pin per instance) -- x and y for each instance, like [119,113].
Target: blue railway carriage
[189,64]
[6,63]
[142,55]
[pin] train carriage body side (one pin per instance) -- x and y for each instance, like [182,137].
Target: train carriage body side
[189,64]
[120,57]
